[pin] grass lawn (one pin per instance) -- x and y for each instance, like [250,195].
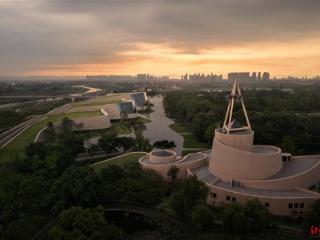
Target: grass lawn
[17,146]
[95,104]
[191,142]
[179,127]
[143,120]
[165,205]
[119,160]
[101,100]
[121,127]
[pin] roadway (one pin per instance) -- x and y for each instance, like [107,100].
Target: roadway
[8,136]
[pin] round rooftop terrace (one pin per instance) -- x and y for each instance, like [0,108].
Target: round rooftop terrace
[162,153]
[162,156]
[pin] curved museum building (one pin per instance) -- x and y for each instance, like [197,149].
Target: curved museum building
[236,170]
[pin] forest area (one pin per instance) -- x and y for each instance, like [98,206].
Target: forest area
[290,120]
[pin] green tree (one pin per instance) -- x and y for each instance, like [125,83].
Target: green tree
[108,141]
[126,143]
[191,192]
[258,217]
[112,173]
[86,224]
[288,144]
[64,160]
[36,149]
[173,173]
[77,186]
[48,133]
[66,125]
[209,133]
[234,218]
[313,216]
[72,143]
[93,148]
[202,219]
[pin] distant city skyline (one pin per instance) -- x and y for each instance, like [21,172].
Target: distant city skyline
[160,37]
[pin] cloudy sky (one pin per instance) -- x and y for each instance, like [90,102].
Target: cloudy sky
[171,37]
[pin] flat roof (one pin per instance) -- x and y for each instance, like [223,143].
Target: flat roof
[264,149]
[203,174]
[193,157]
[298,164]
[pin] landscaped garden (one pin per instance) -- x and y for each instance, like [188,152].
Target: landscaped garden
[15,149]
[190,144]
[119,160]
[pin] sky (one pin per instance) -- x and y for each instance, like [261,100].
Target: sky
[161,37]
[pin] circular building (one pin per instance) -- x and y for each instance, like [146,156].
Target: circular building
[161,161]
[162,156]
[239,171]
[236,170]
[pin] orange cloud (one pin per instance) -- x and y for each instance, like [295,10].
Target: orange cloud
[297,57]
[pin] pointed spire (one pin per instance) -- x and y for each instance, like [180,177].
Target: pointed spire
[229,123]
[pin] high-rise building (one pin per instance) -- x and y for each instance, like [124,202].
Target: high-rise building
[254,76]
[259,76]
[266,76]
[240,76]
[201,77]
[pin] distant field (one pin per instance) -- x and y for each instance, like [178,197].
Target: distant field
[119,160]
[94,104]
[191,142]
[101,100]
[17,146]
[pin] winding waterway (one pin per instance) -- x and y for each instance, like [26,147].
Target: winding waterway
[158,129]
[89,90]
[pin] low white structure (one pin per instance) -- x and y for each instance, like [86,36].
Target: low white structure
[236,170]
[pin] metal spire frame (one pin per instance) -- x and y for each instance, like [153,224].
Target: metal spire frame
[235,94]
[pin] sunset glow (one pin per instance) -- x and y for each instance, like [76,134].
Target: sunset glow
[55,38]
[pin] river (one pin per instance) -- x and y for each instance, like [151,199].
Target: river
[89,90]
[158,129]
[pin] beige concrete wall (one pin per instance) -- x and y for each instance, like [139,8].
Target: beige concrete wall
[277,205]
[303,180]
[235,140]
[184,166]
[162,168]
[230,163]
[153,158]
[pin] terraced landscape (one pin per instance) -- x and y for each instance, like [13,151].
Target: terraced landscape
[15,149]
[87,108]
[119,160]
[94,104]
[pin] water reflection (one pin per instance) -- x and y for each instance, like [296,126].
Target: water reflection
[158,129]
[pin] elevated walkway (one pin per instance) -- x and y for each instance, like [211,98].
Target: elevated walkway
[204,175]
